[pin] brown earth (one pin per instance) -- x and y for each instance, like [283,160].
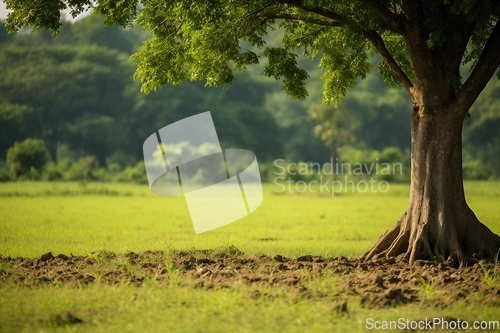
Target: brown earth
[379,283]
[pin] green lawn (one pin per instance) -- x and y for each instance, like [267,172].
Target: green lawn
[71,218]
[123,218]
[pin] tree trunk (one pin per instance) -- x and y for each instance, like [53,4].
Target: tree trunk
[438,224]
[52,149]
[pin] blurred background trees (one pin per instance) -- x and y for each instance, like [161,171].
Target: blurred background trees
[75,95]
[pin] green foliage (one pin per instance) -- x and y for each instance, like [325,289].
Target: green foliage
[4,35]
[119,12]
[344,60]
[83,169]
[482,135]
[199,40]
[391,155]
[135,174]
[5,175]
[475,170]
[91,30]
[100,112]
[55,89]
[27,159]
[87,169]
[383,114]
[334,126]
[283,64]
[53,172]
[389,164]
[193,41]
[37,13]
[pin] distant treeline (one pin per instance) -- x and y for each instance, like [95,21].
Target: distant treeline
[76,93]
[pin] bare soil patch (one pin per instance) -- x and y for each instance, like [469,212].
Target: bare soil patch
[378,283]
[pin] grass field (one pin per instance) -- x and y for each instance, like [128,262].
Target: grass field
[81,220]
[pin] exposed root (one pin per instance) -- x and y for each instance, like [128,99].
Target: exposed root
[431,239]
[383,243]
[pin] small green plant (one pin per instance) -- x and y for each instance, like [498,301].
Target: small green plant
[489,273]
[232,250]
[428,288]
[490,269]
[93,256]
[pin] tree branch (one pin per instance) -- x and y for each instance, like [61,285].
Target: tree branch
[379,44]
[385,14]
[371,35]
[285,16]
[320,11]
[488,63]
[416,40]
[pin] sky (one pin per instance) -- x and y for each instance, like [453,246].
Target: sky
[3,10]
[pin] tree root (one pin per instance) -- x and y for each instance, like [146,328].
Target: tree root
[415,237]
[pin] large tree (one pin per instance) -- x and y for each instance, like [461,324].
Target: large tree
[423,44]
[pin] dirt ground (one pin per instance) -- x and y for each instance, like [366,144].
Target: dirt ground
[380,283]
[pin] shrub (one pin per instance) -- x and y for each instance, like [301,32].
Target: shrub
[114,168]
[391,155]
[475,170]
[5,175]
[136,174]
[83,170]
[27,159]
[52,172]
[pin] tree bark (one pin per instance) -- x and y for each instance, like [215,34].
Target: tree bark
[437,224]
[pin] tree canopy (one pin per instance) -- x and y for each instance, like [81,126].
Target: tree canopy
[210,39]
